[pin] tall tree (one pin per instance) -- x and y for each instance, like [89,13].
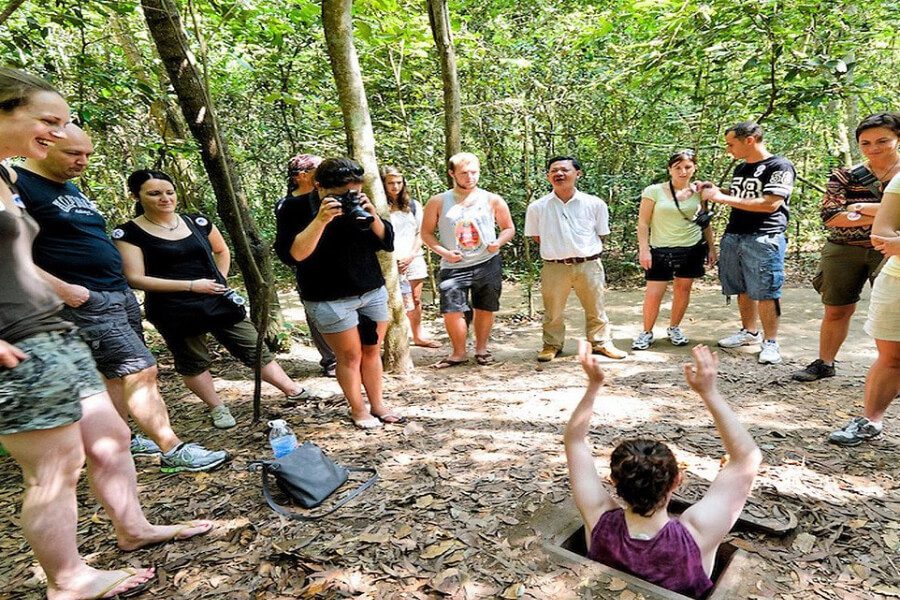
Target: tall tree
[251,251]
[439,18]
[338,24]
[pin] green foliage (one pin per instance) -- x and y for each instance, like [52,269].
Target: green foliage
[620,83]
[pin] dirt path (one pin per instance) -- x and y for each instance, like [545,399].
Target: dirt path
[483,455]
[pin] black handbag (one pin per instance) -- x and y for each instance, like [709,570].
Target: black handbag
[309,477]
[703,217]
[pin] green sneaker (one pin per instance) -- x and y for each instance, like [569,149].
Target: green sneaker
[191,457]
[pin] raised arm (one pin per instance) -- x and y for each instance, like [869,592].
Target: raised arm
[768,203]
[305,242]
[710,519]
[588,490]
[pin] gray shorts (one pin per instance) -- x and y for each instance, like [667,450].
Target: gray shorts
[335,316]
[752,264]
[45,390]
[483,282]
[110,323]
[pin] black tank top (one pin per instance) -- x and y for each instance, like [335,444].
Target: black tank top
[185,259]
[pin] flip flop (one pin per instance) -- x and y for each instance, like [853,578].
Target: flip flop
[372,422]
[180,534]
[429,344]
[391,418]
[446,363]
[485,359]
[130,592]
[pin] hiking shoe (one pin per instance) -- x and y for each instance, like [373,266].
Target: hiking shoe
[221,417]
[608,350]
[330,371]
[548,353]
[303,394]
[855,432]
[741,338]
[770,353]
[642,341]
[141,446]
[814,371]
[191,457]
[677,337]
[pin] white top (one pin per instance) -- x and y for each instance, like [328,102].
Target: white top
[892,266]
[407,227]
[568,229]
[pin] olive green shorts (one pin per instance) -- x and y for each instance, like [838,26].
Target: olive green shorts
[843,272]
[192,357]
[45,390]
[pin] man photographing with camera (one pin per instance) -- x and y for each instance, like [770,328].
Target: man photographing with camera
[332,236]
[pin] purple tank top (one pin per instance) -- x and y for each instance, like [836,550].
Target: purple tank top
[671,559]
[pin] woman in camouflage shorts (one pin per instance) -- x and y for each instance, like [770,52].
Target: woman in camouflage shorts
[54,409]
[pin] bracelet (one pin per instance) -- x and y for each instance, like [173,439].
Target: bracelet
[191,285]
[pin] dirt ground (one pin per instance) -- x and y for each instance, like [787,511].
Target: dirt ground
[482,455]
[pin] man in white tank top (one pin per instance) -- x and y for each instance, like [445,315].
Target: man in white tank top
[466,219]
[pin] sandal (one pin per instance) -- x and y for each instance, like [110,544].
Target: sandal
[391,418]
[429,344]
[446,363]
[485,359]
[129,573]
[372,422]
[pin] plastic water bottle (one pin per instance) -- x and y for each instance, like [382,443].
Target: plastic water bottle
[281,438]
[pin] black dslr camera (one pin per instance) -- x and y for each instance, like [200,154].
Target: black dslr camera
[353,210]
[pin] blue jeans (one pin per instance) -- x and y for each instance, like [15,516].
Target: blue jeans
[752,264]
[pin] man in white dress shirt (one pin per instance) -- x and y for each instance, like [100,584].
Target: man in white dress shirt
[569,226]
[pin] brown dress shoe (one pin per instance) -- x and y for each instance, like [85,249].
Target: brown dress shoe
[548,353]
[608,350]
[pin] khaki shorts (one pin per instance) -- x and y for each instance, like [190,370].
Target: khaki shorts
[883,322]
[843,272]
[45,390]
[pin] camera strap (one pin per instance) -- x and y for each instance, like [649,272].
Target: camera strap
[207,246]
[864,176]
[677,205]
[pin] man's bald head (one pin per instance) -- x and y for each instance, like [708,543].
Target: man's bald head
[67,159]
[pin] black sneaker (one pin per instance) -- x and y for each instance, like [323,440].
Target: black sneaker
[814,371]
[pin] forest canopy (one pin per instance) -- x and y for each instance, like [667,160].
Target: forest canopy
[621,84]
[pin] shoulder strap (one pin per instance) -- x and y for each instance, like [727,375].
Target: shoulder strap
[865,177]
[204,242]
[412,207]
[4,175]
[287,512]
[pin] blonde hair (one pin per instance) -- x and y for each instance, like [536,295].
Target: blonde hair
[462,158]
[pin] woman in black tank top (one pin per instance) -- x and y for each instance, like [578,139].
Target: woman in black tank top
[53,405]
[181,262]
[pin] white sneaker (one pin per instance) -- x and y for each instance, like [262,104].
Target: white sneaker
[769,355]
[642,341]
[221,417]
[677,337]
[741,338]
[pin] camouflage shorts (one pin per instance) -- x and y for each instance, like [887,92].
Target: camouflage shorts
[45,390]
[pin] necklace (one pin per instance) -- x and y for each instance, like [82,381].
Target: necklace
[166,227]
[887,171]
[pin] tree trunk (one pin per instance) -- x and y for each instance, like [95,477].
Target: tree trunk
[163,112]
[251,252]
[439,17]
[9,9]
[337,22]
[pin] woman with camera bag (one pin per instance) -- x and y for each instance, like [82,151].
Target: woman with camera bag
[674,240]
[332,235]
[181,262]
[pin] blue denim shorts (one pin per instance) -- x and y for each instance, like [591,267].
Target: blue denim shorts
[752,264]
[335,316]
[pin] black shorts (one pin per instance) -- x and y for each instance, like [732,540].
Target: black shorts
[683,262]
[482,281]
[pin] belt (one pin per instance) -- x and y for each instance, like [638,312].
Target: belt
[572,261]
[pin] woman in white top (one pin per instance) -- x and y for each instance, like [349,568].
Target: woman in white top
[883,324]
[406,217]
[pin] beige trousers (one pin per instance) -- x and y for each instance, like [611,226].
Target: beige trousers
[588,281]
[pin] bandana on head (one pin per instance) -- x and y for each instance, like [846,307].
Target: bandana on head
[303,163]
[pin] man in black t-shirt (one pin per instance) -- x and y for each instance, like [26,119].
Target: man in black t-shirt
[751,253]
[83,266]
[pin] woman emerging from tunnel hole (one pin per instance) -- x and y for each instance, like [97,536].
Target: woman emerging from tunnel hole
[635,532]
